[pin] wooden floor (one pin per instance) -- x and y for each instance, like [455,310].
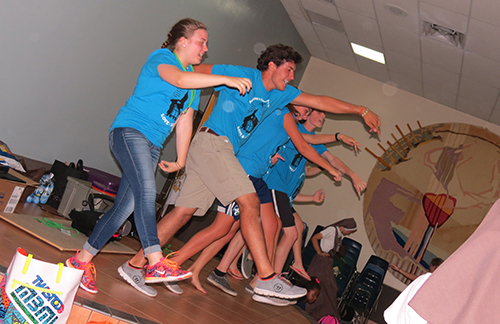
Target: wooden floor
[123,304]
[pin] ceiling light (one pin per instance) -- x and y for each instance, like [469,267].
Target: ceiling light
[368,53]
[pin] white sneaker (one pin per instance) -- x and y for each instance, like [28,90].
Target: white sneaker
[135,278]
[173,287]
[270,300]
[278,287]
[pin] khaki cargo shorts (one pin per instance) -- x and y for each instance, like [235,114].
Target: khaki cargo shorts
[212,171]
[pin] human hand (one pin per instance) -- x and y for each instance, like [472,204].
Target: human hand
[358,183]
[337,176]
[373,121]
[324,254]
[350,141]
[169,167]
[394,267]
[319,196]
[275,158]
[242,84]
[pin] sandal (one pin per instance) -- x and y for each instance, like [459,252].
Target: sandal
[236,274]
[301,273]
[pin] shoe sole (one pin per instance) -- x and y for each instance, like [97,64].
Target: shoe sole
[168,279]
[268,293]
[249,289]
[69,265]
[265,300]
[224,289]
[133,284]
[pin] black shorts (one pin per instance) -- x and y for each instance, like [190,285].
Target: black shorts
[283,208]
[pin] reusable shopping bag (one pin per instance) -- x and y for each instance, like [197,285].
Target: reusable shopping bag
[37,292]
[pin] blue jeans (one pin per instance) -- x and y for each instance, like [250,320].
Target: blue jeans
[138,158]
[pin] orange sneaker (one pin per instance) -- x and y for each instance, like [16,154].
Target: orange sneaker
[89,274]
[165,271]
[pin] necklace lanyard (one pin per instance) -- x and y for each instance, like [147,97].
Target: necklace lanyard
[191,91]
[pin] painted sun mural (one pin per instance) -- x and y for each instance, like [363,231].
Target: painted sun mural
[429,191]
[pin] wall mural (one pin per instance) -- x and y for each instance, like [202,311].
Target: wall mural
[429,191]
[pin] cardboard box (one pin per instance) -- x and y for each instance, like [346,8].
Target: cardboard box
[11,191]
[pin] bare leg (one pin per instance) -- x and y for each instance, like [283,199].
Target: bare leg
[270,224]
[276,239]
[252,231]
[235,246]
[167,227]
[285,244]
[220,227]
[234,265]
[297,246]
[271,239]
[208,253]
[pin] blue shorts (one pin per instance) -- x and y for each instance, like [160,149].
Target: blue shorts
[262,192]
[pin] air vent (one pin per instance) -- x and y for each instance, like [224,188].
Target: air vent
[442,33]
[326,21]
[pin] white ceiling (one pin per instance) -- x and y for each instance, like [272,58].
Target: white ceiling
[467,79]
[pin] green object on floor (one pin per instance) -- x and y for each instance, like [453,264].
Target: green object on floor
[167,250]
[52,224]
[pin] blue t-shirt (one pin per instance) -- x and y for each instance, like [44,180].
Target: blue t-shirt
[288,176]
[255,155]
[237,116]
[155,104]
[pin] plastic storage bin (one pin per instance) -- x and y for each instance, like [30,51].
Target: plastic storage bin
[76,192]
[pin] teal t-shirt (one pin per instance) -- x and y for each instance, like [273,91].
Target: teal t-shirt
[155,104]
[288,176]
[237,116]
[255,155]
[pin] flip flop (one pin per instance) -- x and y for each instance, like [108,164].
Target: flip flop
[236,274]
[301,273]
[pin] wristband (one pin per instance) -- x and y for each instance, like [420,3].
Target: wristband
[365,112]
[337,137]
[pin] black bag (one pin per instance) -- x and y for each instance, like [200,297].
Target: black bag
[85,221]
[61,173]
